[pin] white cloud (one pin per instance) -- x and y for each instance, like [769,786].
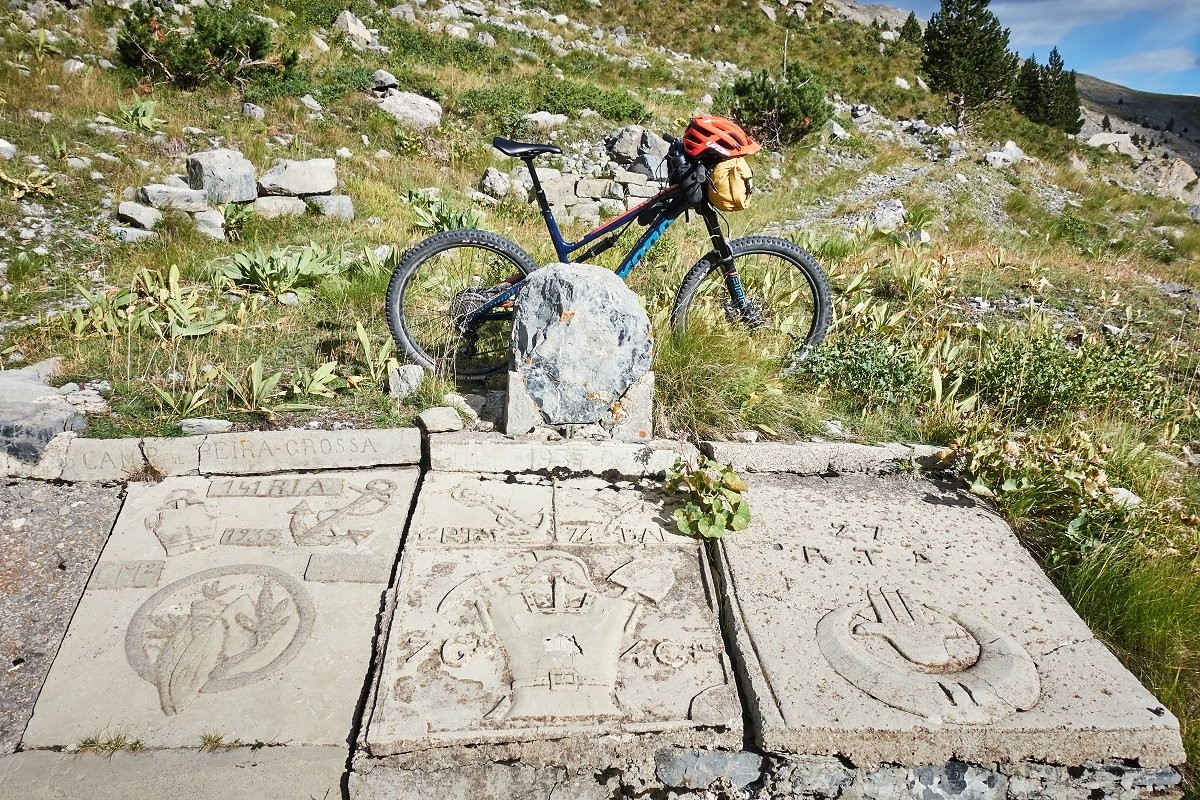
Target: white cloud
[1037,23]
[1152,62]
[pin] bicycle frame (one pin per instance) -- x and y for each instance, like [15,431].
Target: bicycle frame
[673,204]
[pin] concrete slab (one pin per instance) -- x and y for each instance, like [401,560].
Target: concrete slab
[267,773]
[258,452]
[201,616]
[103,460]
[173,456]
[479,452]
[539,610]
[820,458]
[893,620]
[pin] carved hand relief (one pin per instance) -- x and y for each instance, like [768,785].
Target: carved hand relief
[944,667]
[183,523]
[559,634]
[217,630]
[315,528]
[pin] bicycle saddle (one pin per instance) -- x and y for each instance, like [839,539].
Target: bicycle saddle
[522,149]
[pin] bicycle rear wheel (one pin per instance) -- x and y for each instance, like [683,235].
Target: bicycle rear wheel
[437,284]
[788,298]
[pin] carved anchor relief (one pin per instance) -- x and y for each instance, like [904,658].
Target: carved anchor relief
[510,522]
[944,667]
[219,629]
[315,528]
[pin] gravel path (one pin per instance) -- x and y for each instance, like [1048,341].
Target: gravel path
[50,537]
[871,186]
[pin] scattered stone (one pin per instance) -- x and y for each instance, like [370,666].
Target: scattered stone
[300,178]
[44,117]
[202,426]
[440,419]
[272,207]
[1116,142]
[310,102]
[338,206]
[459,403]
[415,111]
[160,195]
[997,159]
[8,150]
[545,121]
[226,176]
[32,412]
[403,12]
[836,131]
[384,80]
[354,29]
[404,380]
[1124,498]
[888,215]
[1194,212]
[131,235]
[1077,164]
[580,339]
[495,183]
[210,223]
[901,82]
[251,111]
[79,163]
[318,44]
[1175,180]
[485,39]
[137,214]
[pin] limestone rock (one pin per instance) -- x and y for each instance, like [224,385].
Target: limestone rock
[251,111]
[32,412]
[383,80]
[226,176]
[902,83]
[495,183]
[354,29]
[73,66]
[441,419]
[160,195]
[202,426]
[126,235]
[888,215]
[272,207]
[1175,180]
[210,223]
[8,150]
[580,340]
[545,121]
[1194,212]
[836,131]
[404,380]
[997,159]
[639,149]
[338,206]
[137,214]
[1116,142]
[413,110]
[300,178]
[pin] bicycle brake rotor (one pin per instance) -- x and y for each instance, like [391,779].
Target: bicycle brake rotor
[752,316]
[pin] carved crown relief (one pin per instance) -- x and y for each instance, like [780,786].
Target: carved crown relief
[943,667]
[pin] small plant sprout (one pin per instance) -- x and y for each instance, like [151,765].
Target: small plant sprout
[107,744]
[713,498]
[378,360]
[140,114]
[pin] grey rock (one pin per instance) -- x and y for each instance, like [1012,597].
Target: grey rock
[495,183]
[251,111]
[956,780]
[299,178]
[177,181]
[404,380]
[1194,212]
[210,223]
[686,768]
[459,403]
[998,160]
[73,66]
[485,39]
[384,80]
[159,195]
[403,12]
[310,102]
[836,131]
[131,235]
[202,426]
[580,338]
[225,176]
[272,207]
[32,412]
[8,150]
[441,419]
[888,215]
[338,206]
[545,121]
[139,215]
[354,29]
[413,110]
[44,117]
[79,162]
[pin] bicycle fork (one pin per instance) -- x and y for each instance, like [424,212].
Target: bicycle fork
[739,306]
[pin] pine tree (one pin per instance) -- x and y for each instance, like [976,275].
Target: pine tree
[1062,97]
[911,30]
[1171,125]
[965,55]
[1029,94]
[1106,123]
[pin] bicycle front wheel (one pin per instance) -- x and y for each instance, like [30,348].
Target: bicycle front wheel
[438,285]
[787,299]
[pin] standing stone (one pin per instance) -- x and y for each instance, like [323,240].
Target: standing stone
[413,110]
[137,214]
[580,340]
[299,178]
[225,175]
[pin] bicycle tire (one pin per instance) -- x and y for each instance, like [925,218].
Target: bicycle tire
[814,301]
[432,340]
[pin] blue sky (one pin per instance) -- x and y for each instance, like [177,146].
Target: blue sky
[1152,45]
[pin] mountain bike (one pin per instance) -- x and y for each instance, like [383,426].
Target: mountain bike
[451,298]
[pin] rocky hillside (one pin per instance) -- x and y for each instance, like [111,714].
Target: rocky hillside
[1172,122]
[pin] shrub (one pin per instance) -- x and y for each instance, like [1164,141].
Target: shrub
[867,366]
[778,110]
[506,104]
[223,44]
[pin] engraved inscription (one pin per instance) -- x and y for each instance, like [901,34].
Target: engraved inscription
[951,668]
[183,523]
[314,528]
[277,487]
[219,629]
[508,522]
[252,537]
[126,575]
[238,449]
[611,534]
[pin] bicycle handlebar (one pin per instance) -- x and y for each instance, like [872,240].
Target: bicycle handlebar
[669,139]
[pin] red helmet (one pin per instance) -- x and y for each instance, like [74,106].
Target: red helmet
[718,136]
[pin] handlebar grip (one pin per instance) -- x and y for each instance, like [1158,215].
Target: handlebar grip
[669,139]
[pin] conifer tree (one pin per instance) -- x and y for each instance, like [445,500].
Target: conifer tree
[911,30]
[965,55]
[1029,95]
[1061,97]
[1106,123]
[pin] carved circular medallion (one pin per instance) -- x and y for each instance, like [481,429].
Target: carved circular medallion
[216,630]
[944,667]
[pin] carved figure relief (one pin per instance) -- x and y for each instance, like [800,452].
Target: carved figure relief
[509,522]
[183,523]
[560,635]
[943,667]
[315,528]
[220,629]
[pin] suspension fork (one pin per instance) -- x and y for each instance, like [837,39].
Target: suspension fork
[733,282]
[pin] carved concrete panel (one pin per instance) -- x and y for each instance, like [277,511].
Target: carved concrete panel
[535,609]
[244,606]
[895,620]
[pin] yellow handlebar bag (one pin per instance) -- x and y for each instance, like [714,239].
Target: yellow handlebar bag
[730,185]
